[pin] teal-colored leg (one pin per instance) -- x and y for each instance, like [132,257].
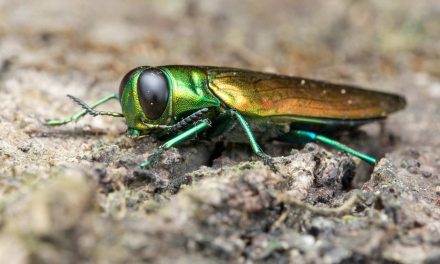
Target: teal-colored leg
[255,147]
[87,110]
[311,136]
[152,160]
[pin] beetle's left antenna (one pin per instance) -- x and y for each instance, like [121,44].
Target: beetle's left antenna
[86,110]
[92,111]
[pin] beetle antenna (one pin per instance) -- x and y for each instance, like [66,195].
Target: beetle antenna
[92,111]
[83,105]
[196,116]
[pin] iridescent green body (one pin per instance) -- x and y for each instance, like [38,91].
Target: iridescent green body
[176,102]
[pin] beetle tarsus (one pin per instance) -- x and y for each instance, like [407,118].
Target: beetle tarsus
[153,159]
[267,160]
[55,122]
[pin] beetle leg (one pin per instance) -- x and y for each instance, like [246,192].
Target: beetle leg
[268,160]
[86,110]
[311,136]
[152,160]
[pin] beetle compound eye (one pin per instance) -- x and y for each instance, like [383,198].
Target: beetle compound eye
[124,82]
[153,90]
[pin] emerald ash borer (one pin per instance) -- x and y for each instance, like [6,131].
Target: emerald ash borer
[176,102]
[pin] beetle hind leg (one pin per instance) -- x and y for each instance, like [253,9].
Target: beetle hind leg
[308,136]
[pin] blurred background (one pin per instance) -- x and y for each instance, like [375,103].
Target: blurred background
[363,42]
[50,48]
[297,37]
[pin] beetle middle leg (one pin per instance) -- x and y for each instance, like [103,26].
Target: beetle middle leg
[268,160]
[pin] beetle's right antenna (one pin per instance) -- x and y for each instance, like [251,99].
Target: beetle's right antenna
[86,110]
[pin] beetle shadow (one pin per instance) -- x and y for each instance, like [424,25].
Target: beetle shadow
[69,133]
[374,140]
[371,139]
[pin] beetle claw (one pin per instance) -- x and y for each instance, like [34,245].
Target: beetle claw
[153,159]
[268,160]
[151,163]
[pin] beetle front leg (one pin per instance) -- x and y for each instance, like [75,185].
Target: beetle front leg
[199,127]
[268,160]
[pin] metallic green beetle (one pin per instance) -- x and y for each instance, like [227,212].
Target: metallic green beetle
[176,102]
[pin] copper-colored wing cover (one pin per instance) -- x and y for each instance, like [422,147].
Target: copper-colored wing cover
[268,95]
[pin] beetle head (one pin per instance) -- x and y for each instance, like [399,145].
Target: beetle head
[144,94]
